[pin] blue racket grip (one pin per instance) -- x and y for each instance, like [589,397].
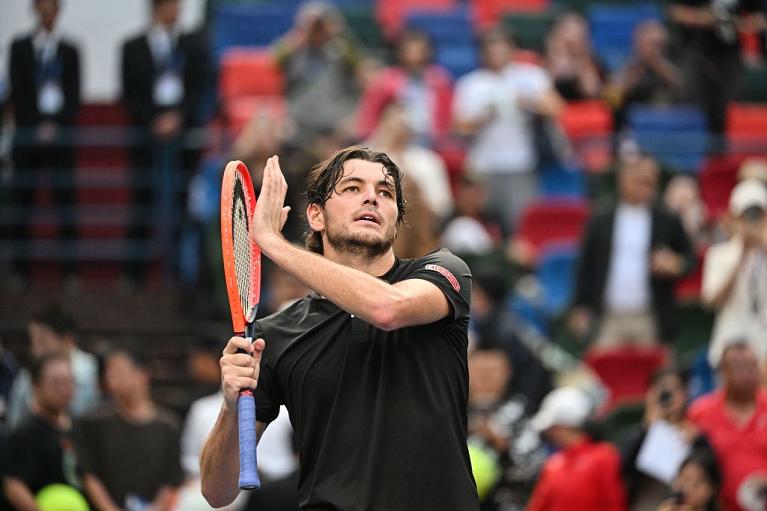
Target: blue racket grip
[246,420]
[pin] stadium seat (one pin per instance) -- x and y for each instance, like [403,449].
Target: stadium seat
[392,14]
[556,275]
[249,25]
[248,72]
[560,181]
[626,371]
[747,128]
[545,222]
[612,29]
[487,13]
[530,28]
[677,136]
[589,126]
[453,39]
[717,179]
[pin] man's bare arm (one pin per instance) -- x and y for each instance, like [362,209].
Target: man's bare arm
[19,495]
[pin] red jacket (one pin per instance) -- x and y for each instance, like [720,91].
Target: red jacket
[387,87]
[585,477]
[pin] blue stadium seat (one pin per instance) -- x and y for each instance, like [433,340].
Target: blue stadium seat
[556,274]
[560,181]
[677,136]
[250,25]
[612,29]
[453,38]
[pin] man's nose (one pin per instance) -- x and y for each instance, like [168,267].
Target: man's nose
[370,197]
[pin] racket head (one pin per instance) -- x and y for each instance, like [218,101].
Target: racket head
[241,254]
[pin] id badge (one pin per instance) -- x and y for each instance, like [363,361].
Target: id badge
[168,90]
[50,99]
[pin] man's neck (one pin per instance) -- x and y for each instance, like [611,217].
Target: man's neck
[741,404]
[140,409]
[376,266]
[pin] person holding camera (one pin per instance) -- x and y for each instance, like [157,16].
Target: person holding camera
[735,274]
[665,401]
[696,485]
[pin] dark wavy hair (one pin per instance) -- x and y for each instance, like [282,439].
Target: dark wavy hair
[323,178]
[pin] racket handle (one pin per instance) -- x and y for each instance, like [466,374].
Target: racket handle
[246,420]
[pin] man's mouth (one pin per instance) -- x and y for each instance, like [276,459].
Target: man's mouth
[369,217]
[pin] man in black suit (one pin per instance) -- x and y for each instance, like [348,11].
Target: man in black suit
[163,79]
[632,254]
[44,72]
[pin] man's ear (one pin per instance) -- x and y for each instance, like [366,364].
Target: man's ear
[316,216]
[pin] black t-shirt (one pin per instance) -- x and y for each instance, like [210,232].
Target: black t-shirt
[723,37]
[40,454]
[131,459]
[380,417]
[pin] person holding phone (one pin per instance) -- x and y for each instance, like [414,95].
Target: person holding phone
[735,274]
[696,485]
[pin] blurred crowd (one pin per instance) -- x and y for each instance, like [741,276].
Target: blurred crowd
[582,396]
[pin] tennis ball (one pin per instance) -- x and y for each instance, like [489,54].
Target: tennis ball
[60,497]
[484,465]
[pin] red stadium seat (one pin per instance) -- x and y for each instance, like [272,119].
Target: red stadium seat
[391,14]
[626,371]
[747,128]
[589,126]
[239,111]
[717,179]
[488,13]
[249,72]
[545,223]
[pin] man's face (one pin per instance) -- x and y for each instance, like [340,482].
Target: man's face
[43,340]
[497,53]
[414,53]
[639,183]
[123,379]
[740,369]
[56,388]
[47,12]
[360,217]
[168,12]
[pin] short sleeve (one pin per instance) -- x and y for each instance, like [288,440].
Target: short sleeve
[467,102]
[267,398]
[451,275]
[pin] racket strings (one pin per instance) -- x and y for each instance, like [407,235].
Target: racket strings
[242,245]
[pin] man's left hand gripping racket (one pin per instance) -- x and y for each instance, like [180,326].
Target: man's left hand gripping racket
[242,268]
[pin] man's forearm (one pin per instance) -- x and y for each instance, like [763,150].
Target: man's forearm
[19,495]
[220,462]
[358,293]
[98,494]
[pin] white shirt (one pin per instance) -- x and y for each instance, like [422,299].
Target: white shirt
[160,43]
[628,278]
[46,43]
[505,144]
[744,315]
[427,169]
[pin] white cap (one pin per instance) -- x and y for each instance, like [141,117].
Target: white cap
[565,406]
[746,194]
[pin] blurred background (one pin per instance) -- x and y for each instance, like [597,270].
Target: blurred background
[601,165]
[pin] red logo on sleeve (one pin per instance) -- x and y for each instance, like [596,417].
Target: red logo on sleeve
[445,273]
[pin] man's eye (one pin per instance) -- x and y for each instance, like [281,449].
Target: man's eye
[351,189]
[385,193]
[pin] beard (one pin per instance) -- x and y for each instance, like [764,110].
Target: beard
[366,245]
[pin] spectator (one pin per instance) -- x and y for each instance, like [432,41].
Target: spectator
[710,51]
[423,89]
[421,165]
[734,419]
[584,474]
[632,253]
[697,485]
[322,71]
[162,79]
[735,273]
[39,451]
[665,402]
[649,76]
[52,329]
[9,368]
[682,196]
[418,238]
[129,451]
[44,76]
[494,107]
[570,61]
[499,422]
[473,227]
[753,168]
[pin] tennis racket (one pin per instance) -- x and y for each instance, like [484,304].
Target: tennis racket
[242,269]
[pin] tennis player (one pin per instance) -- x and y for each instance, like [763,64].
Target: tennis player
[371,365]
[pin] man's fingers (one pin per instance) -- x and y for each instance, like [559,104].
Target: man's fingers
[236,343]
